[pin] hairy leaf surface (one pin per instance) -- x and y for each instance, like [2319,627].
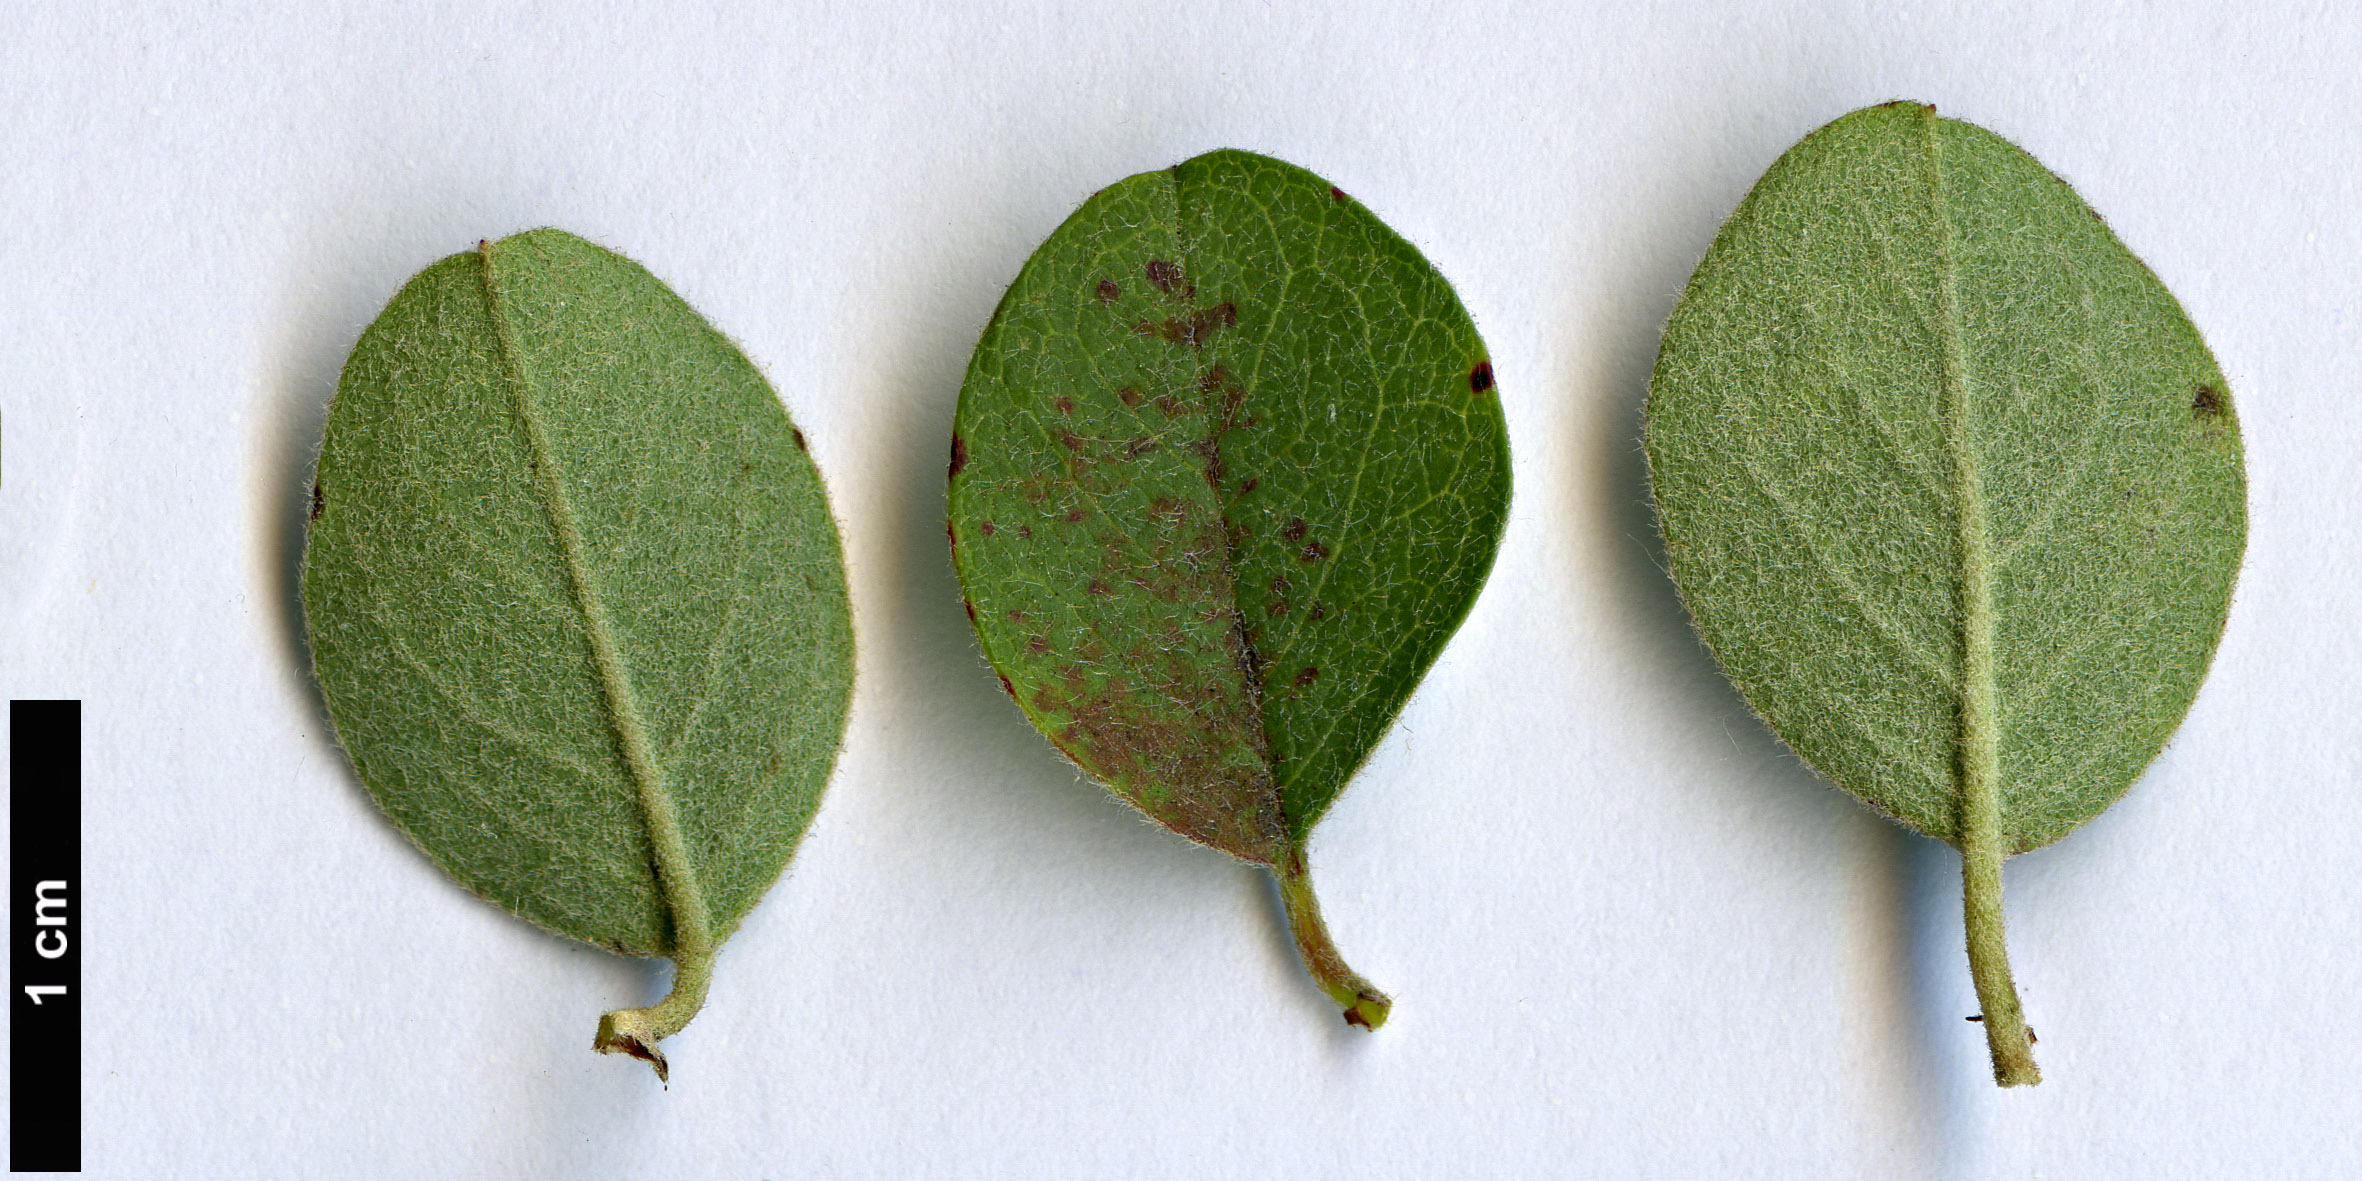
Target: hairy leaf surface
[1948,480]
[575,597]
[1228,470]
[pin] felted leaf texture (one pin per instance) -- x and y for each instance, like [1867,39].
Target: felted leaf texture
[1228,469]
[577,604]
[1953,490]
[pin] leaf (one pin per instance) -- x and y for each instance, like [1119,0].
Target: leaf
[577,603]
[1953,490]
[1228,470]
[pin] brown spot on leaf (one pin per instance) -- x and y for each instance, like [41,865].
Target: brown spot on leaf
[1129,395]
[1108,291]
[1171,406]
[801,445]
[1037,645]
[1025,532]
[1074,516]
[971,622]
[1480,378]
[1070,440]
[1211,452]
[1098,587]
[986,529]
[2206,401]
[1215,378]
[1008,688]
[1313,551]
[949,534]
[959,454]
[1336,194]
[1016,616]
[1277,608]
[1319,611]
[1164,276]
[1295,529]
[1306,676]
[319,501]
[1065,405]
[1193,329]
[1249,485]
[1139,447]
[1279,585]
[1204,321]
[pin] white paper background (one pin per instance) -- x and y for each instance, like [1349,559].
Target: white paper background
[1628,935]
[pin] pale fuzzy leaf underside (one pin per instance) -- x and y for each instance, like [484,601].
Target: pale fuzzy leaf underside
[1917,389]
[558,516]
[1228,469]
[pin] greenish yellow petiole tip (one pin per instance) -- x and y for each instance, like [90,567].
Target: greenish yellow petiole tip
[1363,1004]
[636,1031]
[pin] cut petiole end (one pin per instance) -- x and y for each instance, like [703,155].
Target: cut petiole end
[636,1031]
[2013,1066]
[628,1031]
[1365,1007]
[1363,1004]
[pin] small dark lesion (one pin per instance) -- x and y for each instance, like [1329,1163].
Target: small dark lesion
[2206,401]
[1107,291]
[1193,329]
[319,500]
[1480,378]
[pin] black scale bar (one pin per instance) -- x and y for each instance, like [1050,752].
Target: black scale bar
[45,930]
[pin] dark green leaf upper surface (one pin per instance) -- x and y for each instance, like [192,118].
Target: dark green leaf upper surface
[1925,436]
[569,563]
[1228,469]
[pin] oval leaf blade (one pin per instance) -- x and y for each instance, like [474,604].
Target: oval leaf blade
[577,604]
[1228,469]
[1952,488]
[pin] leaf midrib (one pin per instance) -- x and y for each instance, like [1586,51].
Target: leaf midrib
[676,874]
[1226,500]
[1977,768]
[1183,257]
